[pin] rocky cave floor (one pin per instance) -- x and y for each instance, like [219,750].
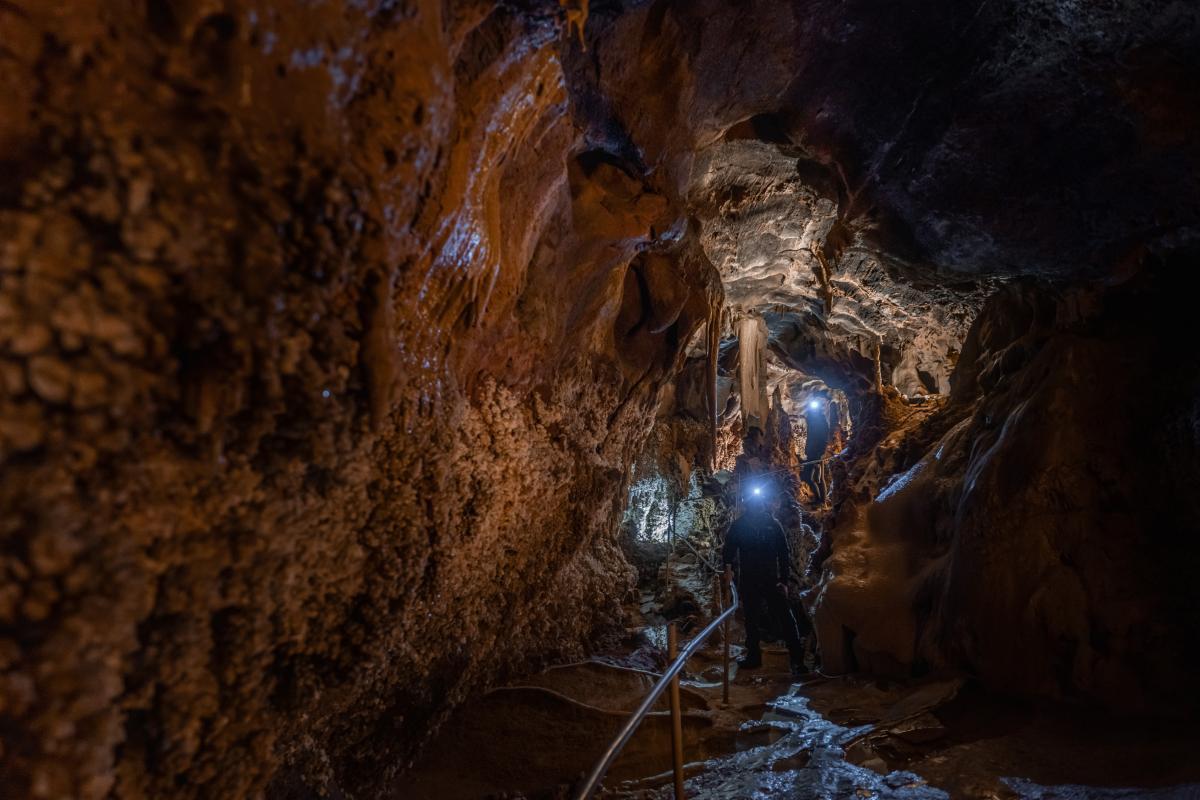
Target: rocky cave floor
[853,736]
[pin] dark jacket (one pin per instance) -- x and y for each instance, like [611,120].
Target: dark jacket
[758,544]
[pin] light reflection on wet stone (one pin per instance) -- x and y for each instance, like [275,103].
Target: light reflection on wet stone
[779,769]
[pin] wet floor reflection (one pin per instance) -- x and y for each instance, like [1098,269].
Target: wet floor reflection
[806,760]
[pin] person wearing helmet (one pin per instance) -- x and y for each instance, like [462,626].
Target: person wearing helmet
[756,551]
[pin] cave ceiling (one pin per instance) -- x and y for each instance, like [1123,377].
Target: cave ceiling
[917,157]
[828,289]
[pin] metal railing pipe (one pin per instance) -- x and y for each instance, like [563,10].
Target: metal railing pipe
[727,581]
[592,782]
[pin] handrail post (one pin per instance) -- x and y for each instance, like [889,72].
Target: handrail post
[669,678]
[719,601]
[724,586]
[676,715]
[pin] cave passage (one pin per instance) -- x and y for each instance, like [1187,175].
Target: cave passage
[381,381]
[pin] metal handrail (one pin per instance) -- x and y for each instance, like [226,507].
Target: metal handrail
[592,782]
[703,560]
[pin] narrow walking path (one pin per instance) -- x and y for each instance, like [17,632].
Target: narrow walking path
[846,737]
[816,737]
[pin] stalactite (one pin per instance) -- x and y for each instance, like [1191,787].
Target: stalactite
[752,339]
[878,365]
[577,15]
[713,332]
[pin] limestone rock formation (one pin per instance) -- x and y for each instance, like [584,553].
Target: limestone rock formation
[830,290]
[1044,540]
[327,340]
[330,330]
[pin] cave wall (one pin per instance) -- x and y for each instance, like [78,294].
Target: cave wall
[1038,531]
[327,341]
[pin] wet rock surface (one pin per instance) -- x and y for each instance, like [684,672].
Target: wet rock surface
[938,737]
[807,761]
[944,737]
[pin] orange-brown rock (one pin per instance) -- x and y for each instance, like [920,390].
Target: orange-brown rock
[322,372]
[330,330]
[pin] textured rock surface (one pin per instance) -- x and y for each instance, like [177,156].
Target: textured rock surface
[1006,136]
[1044,541]
[831,295]
[324,360]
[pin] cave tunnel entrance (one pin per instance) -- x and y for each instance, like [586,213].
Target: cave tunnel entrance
[834,372]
